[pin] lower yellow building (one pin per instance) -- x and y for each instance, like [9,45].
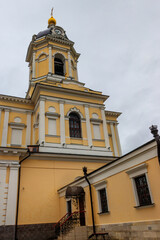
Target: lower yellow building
[46,140]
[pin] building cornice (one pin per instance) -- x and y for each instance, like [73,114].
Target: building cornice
[15,99]
[40,86]
[113,114]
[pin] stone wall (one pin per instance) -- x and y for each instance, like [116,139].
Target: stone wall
[28,232]
[147,230]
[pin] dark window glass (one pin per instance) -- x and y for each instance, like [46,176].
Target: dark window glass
[143,191]
[58,67]
[74,125]
[103,199]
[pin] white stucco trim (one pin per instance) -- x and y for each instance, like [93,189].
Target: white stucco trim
[0,115]
[34,65]
[118,140]
[62,123]
[3,191]
[88,126]
[12,195]
[5,128]
[114,140]
[42,121]
[69,64]
[135,172]
[28,129]
[128,161]
[98,186]
[105,129]
[74,109]
[50,59]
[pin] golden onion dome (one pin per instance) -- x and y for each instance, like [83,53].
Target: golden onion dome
[51,20]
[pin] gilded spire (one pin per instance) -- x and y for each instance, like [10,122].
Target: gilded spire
[51,20]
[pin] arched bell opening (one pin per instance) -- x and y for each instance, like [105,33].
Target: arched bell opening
[59,64]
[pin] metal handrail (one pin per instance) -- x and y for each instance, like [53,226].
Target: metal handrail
[70,217]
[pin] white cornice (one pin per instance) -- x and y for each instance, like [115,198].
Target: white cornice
[111,113]
[136,157]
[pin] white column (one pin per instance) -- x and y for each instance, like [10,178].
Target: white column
[3,170]
[62,123]
[88,126]
[50,59]
[5,128]
[76,72]
[118,140]
[0,115]
[12,195]
[105,130]
[114,140]
[42,121]
[34,65]
[28,129]
[69,64]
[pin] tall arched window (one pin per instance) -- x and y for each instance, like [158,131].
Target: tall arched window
[74,125]
[59,64]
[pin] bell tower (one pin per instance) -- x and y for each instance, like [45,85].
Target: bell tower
[51,56]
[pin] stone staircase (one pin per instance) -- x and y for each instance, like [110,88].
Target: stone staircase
[78,233]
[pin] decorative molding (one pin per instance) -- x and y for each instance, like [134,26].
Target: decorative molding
[96,121]
[74,109]
[17,125]
[14,99]
[111,113]
[52,115]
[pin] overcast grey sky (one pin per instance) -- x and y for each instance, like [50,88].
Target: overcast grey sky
[119,42]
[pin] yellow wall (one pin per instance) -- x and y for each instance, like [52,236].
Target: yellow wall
[40,180]
[121,199]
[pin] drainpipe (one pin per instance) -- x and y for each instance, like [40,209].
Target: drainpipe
[19,178]
[154,131]
[90,191]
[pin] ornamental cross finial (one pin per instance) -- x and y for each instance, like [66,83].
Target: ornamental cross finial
[52,12]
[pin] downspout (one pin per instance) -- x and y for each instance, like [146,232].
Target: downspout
[154,131]
[90,191]
[19,178]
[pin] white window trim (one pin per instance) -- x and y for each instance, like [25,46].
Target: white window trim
[99,186]
[136,172]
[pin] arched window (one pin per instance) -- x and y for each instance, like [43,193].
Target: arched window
[59,64]
[74,125]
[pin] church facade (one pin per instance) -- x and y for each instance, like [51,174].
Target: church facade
[48,137]
[64,123]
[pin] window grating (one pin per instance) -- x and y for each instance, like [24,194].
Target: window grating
[103,200]
[143,190]
[74,125]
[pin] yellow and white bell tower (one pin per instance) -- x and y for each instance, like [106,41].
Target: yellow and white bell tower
[51,56]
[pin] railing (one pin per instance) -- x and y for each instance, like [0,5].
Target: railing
[67,222]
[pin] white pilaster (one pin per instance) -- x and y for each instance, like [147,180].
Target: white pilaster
[105,130]
[28,129]
[69,64]
[62,123]
[114,140]
[12,195]
[3,191]
[50,59]
[0,115]
[42,121]
[5,128]
[34,65]
[88,126]
[118,140]
[76,72]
